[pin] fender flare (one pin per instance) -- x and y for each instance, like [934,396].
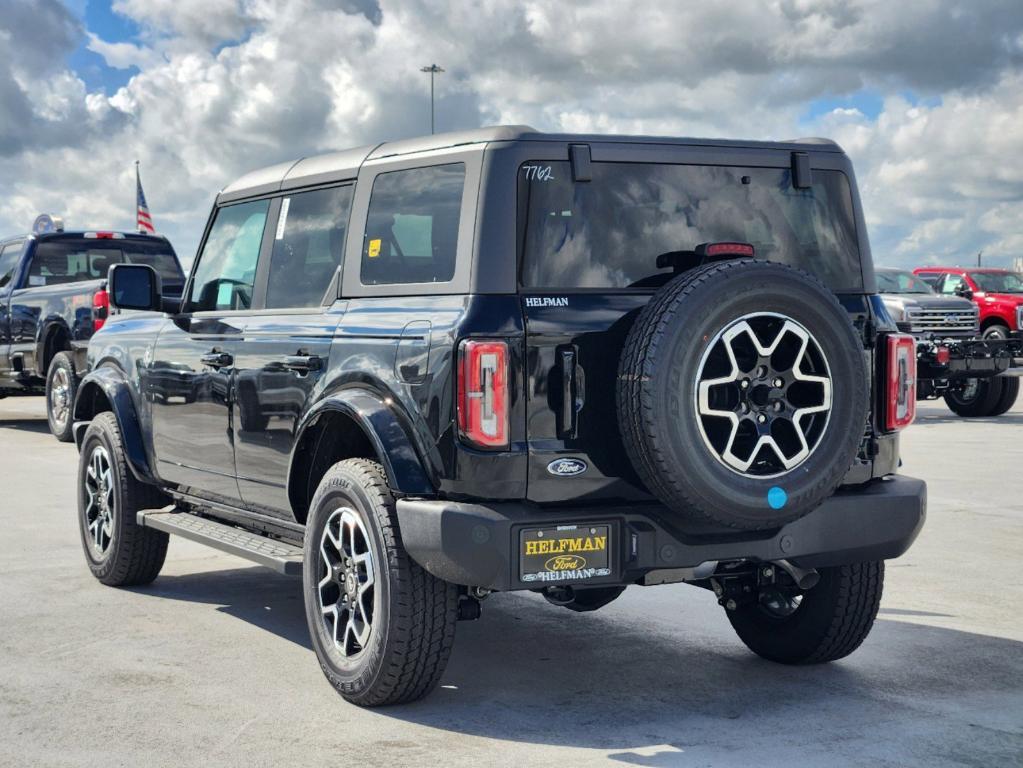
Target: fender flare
[115,388]
[382,426]
[47,328]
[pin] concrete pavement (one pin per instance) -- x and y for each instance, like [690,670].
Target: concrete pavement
[211,665]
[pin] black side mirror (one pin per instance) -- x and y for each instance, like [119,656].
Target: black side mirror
[964,291]
[134,286]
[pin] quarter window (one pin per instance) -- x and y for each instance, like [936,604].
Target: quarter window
[412,226]
[307,247]
[226,270]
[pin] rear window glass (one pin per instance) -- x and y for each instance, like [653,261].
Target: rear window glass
[609,232]
[412,226]
[67,261]
[898,281]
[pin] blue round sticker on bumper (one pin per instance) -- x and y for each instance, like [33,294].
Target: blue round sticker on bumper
[777,498]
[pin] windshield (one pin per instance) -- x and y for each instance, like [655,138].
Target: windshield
[998,282]
[71,260]
[610,231]
[897,281]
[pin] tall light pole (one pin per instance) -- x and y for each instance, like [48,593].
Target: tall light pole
[433,69]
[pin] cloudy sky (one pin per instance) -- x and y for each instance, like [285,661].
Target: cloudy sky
[925,95]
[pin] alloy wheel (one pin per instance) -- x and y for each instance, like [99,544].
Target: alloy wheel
[764,395]
[346,588]
[99,506]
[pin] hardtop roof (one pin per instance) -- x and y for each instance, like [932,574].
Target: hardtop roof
[345,164]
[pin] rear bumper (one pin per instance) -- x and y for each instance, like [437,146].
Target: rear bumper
[477,544]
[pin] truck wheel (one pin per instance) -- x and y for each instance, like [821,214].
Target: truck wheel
[974,398]
[61,386]
[996,332]
[825,623]
[742,394]
[1007,399]
[118,550]
[381,626]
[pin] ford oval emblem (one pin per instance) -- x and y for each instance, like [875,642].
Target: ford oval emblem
[566,467]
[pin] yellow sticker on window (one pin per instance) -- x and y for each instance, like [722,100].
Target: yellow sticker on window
[374,248]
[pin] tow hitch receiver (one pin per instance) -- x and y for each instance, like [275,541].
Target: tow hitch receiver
[775,585]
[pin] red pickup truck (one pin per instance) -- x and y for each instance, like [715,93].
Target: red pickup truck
[997,292]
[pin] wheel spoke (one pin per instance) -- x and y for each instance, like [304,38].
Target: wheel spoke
[754,398]
[346,589]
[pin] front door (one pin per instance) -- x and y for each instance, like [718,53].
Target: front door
[189,380]
[282,357]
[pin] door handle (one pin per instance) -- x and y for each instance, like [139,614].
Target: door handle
[216,359]
[568,385]
[303,363]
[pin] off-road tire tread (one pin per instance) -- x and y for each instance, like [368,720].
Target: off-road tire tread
[139,552]
[635,422]
[858,597]
[423,624]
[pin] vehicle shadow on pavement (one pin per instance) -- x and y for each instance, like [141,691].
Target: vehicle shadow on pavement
[253,594]
[667,691]
[40,426]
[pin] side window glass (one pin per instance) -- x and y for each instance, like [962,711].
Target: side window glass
[9,258]
[226,270]
[307,246]
[950,283]
[412,226]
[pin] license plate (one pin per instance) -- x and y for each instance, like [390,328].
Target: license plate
[565,553]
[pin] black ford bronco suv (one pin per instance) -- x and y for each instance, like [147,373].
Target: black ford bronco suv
[53,297]
[426,371]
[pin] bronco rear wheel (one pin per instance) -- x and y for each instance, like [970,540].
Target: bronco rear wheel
[381,626]
[742,394]
[823,624]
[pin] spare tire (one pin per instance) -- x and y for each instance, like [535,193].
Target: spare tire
[742,395]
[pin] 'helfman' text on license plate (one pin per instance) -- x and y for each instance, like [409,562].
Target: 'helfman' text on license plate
[565,553]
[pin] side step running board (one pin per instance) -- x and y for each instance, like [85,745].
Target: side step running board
[281,556]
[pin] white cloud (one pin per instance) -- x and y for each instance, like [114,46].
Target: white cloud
[229,85]
[123,55]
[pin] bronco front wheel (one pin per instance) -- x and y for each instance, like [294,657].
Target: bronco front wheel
[381,626]
[118,550]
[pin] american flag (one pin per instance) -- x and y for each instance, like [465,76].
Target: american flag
[142,218]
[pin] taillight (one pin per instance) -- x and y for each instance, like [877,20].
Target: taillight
[100,308]
[483,393]
[900,405]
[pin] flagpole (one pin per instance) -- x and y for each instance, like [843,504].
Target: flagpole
[137,182]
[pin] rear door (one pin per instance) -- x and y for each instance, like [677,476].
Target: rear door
[281,357]
[597,240]
[188,381]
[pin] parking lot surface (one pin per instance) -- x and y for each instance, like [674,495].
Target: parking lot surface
[211,664]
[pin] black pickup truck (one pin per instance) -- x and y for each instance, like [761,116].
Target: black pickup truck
[53,298]
[427,371]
